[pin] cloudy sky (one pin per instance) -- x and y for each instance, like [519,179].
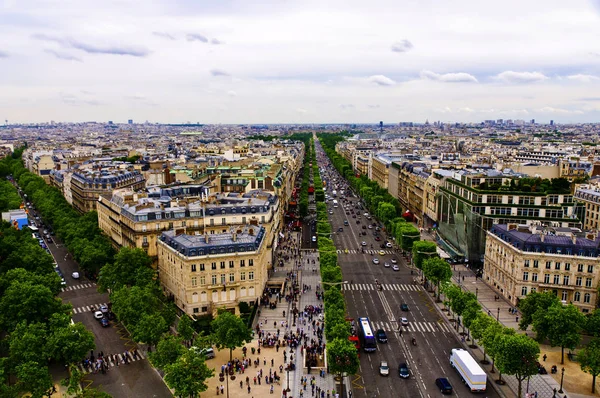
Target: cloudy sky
[299,61]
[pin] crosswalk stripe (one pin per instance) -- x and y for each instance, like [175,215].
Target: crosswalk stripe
[112,364]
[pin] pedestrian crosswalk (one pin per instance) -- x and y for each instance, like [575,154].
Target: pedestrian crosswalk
[78,286]
[88,308]
[111,361]
[369,251]
[384,286]
[424,327]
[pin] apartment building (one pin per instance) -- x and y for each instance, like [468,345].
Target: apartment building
[589,197]
[380,170]
[407,183]
[521,259]
[137,219]
[203,273]
[471,202]
[88,186]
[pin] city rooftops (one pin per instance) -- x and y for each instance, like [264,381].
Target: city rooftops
[238,240]
[550,240]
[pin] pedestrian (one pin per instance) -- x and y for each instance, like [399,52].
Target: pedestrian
[249,389]
[516,319]
[217,390]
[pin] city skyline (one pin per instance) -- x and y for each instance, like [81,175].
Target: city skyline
[299,62]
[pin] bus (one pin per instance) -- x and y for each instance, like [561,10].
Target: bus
[366,335]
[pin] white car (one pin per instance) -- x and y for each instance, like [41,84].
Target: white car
[314,238]
[386,264]
[384,369]
[98,314]
[388,245]
[375,261]
[396,268]
[75,275]
[394,261]
[404,321]
[363,243]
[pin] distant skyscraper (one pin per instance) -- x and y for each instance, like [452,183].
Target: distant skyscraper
[532,121]
[130,121]
[381,126]
[551,122]
[110,122]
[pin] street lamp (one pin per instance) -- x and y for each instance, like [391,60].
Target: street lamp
[562,377]
[225,375]
[498,315]
[476,292]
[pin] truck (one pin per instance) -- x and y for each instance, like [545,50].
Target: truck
[468,369]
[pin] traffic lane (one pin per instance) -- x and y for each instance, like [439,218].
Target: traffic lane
[135,379]
[108,339]
[84,297]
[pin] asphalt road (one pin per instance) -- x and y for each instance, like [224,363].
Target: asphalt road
[435,339]
[135,379]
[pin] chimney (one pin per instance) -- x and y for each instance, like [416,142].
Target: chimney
[206,238]
[234,236]
[574,239]
[542,236]
[512,226]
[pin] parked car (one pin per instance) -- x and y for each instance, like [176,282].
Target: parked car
[375,261]
[394,261]
[386,264]
[104,322]
[98,315]
[75,275]
[396,268]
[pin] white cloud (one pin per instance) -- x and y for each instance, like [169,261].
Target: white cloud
[560,111]
[460,77]
[231,93]
[301,110]
[402,46]
[583,78]
[521,77]
[381,80]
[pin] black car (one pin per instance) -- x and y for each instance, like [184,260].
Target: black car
[403,370]
[340,229]
[404,307]
[444,385]
[381,336]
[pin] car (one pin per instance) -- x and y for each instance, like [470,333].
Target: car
[330,211]
[404,307]
[381,336]
[444,385]
[381,253]
[370,226]
[104,322]
[364,233]
[75,275]
[104,309]
[396,268]
[377,238]
[364,227]
[375,261]
[384,369]
[208,352]
[388,245]
[394,261]
[314,238]
[404,321]
[386,264]
[340,229]
[403,370]
[354,216]
[357,222]
[346,223]
[98,315]
[363,243]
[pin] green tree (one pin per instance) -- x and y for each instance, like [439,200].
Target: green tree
[589,360]
[34,378]
[386,212]
[561,325]
[131,305]
[423,250]
[132,266]
[70,344]
[407,236]
[478,327]
[342,357]
[437,271]
[592,323]
[532,303]
[188,375]
[150,329]
[185,330]
[230,331]
[168,350]
[472,309]
[518,356]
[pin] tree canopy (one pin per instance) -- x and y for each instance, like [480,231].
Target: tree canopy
[230,331]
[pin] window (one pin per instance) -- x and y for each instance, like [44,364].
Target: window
[204,309]
[548,264]
[546,278]
[556,279]
[250,263]
[214,279]
[242,276]
[201,267]
[195,310]
[222,264]
[565,295]
[567,266]
[145,238]
[193,267]
[213,265]
[231,277]
[524,291]
[534,277]
[242,263]
[212,222]
[588,282]
[566,280]
[536,263]
[194,281]
[223,221]
[533,290]
[577,297]
[586,298]
[251,275]
[231,264]
[579,267]
[557,266]
[525,276]
[526,264]
[590,269]
[202,280]
[222,278]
